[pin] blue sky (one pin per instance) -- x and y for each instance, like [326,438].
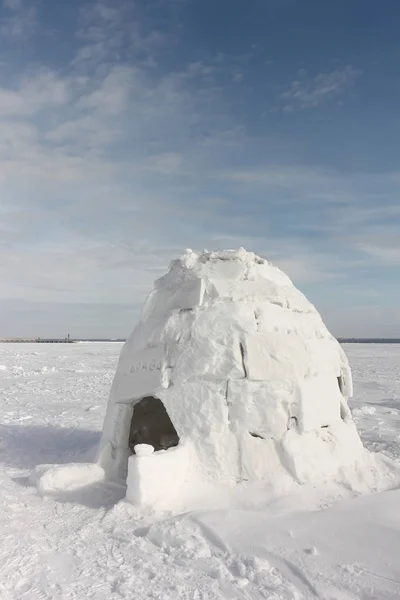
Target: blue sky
[131,130]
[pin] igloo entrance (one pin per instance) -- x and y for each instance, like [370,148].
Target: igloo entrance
[151,425]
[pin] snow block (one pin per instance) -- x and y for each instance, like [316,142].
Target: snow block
[323,356]
[241,290]
[156,477]
[209,357]
[318,403]
[260,460]
[188,295]
[260,409]
[345,374]
[320,455]
[275,356]
[200,415]
[143,376]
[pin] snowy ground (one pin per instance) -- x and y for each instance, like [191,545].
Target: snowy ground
[82,545]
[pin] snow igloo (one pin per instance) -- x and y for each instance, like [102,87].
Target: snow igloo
[229,376]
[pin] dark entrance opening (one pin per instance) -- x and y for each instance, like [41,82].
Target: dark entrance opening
[151,425]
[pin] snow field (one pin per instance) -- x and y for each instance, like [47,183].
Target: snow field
[78,543]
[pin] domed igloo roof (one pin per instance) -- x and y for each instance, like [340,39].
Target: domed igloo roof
[250,377]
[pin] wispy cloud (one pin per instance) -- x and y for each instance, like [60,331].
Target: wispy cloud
[305,92]
[21,19]
[121,152]
[382,248]
[86,215]
[114,31]
[13,4]
[34,93]
[357,214]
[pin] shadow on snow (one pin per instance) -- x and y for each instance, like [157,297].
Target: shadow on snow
[25,447]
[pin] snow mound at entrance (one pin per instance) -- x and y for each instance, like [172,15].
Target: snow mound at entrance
[50,479]
[231,376]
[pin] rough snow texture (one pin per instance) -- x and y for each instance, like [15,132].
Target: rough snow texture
[77,544]
[248,373]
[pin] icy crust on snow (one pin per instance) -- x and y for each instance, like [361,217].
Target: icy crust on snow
[248,373]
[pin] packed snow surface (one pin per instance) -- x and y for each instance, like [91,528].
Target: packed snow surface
[252,386]
[79,542]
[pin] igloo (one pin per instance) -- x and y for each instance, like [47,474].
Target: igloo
[230,376]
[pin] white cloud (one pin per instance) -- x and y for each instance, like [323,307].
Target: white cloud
[358,213]
[81,270]
[21,21]
[12,4]
[282,176]
[108,170]
[364,196]
[237,77]
[34,93]
[84,117]
[383,248]
[305,93]
[110,28]
[111,96]
[166,163]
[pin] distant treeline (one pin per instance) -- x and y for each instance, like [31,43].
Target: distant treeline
[55,340]
[99,340]
[74,340]
[369,340]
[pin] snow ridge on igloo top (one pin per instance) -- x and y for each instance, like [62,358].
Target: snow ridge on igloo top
[235,275]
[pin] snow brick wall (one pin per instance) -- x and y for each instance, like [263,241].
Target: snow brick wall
[232,373]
